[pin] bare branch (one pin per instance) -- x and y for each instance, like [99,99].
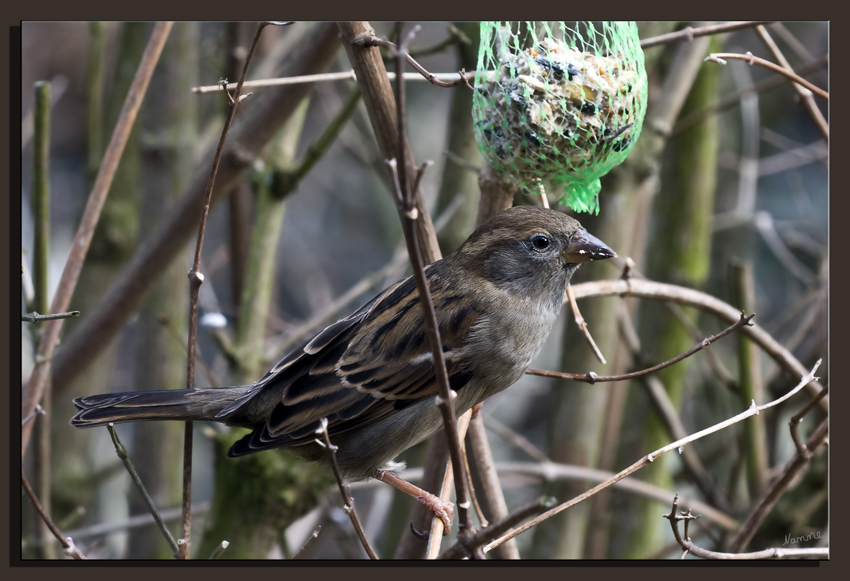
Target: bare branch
[591,377]
[34,317]
[330,451]
[70,548]
[720,57]
[690,33]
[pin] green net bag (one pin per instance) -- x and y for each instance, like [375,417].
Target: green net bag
[559,103]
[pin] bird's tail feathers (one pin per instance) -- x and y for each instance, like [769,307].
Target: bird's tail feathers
[173,404]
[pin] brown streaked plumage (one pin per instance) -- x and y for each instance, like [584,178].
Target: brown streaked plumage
[371,374]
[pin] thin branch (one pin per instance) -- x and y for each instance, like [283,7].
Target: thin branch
[196,278]
[370,41]
[690,547]
[70,548]
[754,409]
[134,476]
[794,423]
[34,317]
[591,377]
[91,214]
[690,33]
[582,324]
[408,212]
[307,543]
[734,98]
[319,78]
[499,527]
[348,501]
[720,58]
[807,99]
[778,488]
[219,550]
[694,298]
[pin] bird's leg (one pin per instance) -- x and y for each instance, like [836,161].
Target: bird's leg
[444,510]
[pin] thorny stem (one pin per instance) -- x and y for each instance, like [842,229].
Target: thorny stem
[753,410]
[196,278]
[591,377]
[347,500]
[690,547]
[134,476]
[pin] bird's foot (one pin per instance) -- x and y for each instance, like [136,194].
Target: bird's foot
[442,509]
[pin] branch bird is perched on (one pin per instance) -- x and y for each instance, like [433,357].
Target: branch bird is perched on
[371,374]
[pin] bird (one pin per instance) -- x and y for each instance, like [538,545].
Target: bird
[370,378]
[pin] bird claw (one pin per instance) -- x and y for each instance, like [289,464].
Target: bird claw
[443,510]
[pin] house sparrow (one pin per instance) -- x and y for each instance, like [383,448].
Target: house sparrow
[371,374]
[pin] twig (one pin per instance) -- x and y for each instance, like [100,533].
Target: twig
[734,98]
[690,33]
[134,476]
[694,298]
[720,58]
[135,521]
[798,417]
[348,502]
[370,41]
[91,214]
[754,409]
[670,416]
[70,548]
[34,317]
[307,543]
[805,96]
[582,324]
[320,78]
[219,550]
[690,547]
[196,278]
[408,212]
[38,410]
[591,377]
[497,528]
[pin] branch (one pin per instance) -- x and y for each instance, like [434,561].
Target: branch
[34,317]
[348,501]
[690,33]
[196,278]
[591,377]
[753,410]
[70,548]
[370,41]
[690,547]
[719,58]
[694,298]
[778,488]
[91,214]
[134,476]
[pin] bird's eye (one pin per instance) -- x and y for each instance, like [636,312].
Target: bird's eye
[540,242]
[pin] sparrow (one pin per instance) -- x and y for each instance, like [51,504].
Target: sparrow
[371,374]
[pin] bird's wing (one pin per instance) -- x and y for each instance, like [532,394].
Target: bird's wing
[361,368]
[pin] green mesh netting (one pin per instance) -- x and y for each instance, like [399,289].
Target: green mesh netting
[559,103]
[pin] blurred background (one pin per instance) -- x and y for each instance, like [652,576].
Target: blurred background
[729,196]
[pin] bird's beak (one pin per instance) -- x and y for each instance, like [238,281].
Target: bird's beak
[585,247]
